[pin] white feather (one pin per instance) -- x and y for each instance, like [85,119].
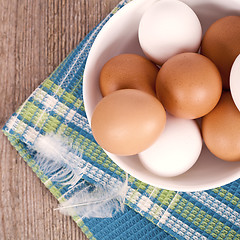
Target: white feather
[101,202]
[56,159]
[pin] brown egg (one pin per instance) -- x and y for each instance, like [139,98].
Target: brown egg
[221,129]
[128,71]
[188,85]
[127,121]
[221,44]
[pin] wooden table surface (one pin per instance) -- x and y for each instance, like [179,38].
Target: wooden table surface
[35,36]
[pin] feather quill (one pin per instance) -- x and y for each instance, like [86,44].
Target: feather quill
[56,158]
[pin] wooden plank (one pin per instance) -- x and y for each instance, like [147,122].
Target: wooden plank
[35,37]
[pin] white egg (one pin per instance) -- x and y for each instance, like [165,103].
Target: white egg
[235,82]
[169,27]
[176,150]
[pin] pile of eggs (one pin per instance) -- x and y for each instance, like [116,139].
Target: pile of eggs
[163,105]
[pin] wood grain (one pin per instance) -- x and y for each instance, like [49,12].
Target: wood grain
[35,36]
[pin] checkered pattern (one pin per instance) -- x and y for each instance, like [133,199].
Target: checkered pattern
[56,106]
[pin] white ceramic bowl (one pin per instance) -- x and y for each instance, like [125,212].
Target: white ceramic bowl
[119,35]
